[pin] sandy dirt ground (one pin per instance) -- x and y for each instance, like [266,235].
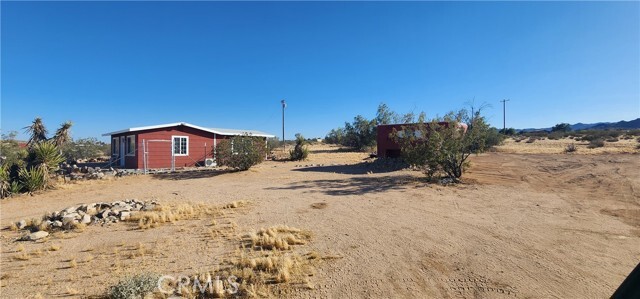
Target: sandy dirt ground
[521,226]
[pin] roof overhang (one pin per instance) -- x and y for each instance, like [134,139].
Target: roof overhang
[215,131]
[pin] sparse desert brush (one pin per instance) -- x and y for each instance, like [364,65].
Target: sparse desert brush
[13,226]
[138,286]
[171,214]
[73,263]
[54,247]
[531,140]
[20,248]
[278,238]
[571,148]
[236,204]
[596,143]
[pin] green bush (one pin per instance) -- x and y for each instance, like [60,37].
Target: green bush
[445,148]
[33,178]
[299,152]
[135,287]
[240,152]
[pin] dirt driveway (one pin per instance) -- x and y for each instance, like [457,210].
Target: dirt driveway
[523,226]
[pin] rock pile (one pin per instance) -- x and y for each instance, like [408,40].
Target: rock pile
[94,213]
[78,173]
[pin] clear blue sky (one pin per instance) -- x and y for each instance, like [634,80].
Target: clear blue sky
[111,65]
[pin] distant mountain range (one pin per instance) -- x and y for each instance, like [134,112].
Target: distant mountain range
[632,124]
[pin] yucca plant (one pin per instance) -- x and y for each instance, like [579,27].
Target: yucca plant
[47,154]
[15,187]
[4,181]
[33,178]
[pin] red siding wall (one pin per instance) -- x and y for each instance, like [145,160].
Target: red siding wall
[159,146]
[159,142]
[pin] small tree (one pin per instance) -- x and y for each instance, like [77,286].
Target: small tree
[562,127]
[299,152]
[240,152]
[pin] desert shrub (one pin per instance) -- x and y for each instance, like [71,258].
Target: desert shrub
[556,135]
[571,148]
[85,148]
[562,127]
[33,178]
[531,139]
[508,131]
[134,287]
[445,148]
[240,152]
[596,143]
[299,152]
[613,139]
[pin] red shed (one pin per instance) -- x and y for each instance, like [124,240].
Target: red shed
[387,147]
[169,145]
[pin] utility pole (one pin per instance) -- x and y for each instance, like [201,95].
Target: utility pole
[284,147]
[504,116]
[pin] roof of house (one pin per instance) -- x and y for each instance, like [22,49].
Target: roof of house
[218,131]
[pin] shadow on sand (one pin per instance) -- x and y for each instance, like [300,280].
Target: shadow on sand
[353,186]
[360,168]
[189,174]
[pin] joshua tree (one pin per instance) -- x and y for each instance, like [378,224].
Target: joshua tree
[37,132]
[63,134]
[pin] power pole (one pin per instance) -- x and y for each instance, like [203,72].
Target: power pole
[504,116]
[284,105]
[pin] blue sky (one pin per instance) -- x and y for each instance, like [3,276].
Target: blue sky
[111,65]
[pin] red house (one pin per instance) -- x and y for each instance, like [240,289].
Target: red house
[387,147]
[169,146]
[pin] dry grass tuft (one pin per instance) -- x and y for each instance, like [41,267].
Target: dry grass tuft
[236,204]
[71,291]
[319,205]
[22,257]
[171,214]
[20,248]
[55,247]
[73,263]
[278,237]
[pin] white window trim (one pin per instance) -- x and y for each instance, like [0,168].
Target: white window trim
[173,146]
[126,148]
[115,146]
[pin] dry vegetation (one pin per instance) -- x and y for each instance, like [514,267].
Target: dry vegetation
[529,225]
[535,145]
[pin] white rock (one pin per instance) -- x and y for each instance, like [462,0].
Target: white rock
[125,215]
[21,224]
[69,219]
[86,219]
[38,235]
